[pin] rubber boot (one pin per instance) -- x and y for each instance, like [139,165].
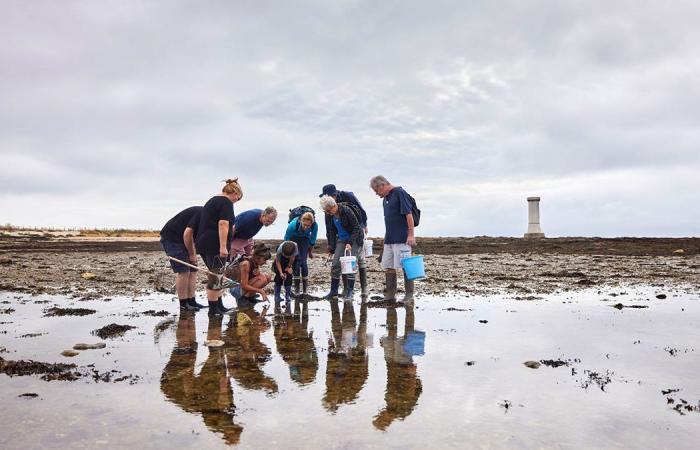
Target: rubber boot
[409,287]
[349,291]
[214,309]
[186,306]
[390,287]
[333,294]
[305,285]
[363,282]
[278,291]
[222,308]
[345,285]
[288,294]
[296,286]
[193,302]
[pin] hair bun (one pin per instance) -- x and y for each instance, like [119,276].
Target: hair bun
[230,180]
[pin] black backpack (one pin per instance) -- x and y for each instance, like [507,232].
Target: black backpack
[299,211]
[355,210]
[415,212]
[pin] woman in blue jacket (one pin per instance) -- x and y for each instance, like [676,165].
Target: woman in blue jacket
[303,231]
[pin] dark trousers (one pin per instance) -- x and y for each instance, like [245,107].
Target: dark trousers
[301,264]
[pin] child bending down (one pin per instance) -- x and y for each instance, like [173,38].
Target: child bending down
[283,266]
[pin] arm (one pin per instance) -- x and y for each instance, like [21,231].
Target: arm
[288,269]
[330,233]
[411,237]
[223,235]
[188,238]
[313,234]
[279,267]
[290,229]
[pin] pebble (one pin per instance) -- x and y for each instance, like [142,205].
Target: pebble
[532,364]
[661,296]
[70,353]
[680,251]
[88,276]
[89,346]
[214,343]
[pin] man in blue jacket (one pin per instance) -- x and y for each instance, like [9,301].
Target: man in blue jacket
[347,197]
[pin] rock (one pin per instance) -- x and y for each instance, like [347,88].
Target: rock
[5,261]
[214,343]
[69,353]
[661,296]
[532,364]
[88,276]
[89,346]
[243,320]
[680,251]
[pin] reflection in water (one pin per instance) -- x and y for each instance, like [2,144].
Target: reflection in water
[403,387]
[348,362]
[295,343]
[210,394]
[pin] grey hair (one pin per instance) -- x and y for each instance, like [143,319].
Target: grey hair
[377,181]
[270,211]
[327,203]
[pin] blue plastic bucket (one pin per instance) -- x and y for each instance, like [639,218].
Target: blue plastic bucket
[413,267]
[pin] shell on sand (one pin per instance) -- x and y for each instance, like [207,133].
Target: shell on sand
[214,343]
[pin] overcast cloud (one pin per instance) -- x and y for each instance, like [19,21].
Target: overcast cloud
[120,114]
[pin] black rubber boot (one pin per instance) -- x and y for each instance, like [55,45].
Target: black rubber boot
[305,285]
[409,286]
[349,291]
[363,282]
[390,287]
[222,308]
[186,306]
[193,302]
[333,294]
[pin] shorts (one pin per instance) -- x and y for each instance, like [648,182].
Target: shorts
[241,247]
[394,254]
[179,251]
[214,262]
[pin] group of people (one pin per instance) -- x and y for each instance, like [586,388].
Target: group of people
[225,243]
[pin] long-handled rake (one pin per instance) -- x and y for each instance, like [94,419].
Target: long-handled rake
[222,281]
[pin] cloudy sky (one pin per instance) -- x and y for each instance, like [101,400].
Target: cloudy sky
[121,113]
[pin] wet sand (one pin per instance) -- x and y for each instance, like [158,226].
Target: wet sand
[520,348]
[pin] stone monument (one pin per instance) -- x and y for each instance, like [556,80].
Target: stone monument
[533,219]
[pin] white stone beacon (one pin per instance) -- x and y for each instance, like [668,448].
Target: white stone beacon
[533,219]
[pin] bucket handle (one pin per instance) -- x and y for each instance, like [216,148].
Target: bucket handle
[348,252]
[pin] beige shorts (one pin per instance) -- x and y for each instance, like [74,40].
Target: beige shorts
[393,255]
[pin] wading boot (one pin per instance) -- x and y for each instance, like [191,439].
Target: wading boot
[345,285]
[363,282]
[349,291]
[186,306]
[278,291]
[390,286]
[193,302]
[222,308]
[333,294]
[305,286]
[296,287]
[409,287]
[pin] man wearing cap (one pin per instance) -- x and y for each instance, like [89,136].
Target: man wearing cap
[347,197]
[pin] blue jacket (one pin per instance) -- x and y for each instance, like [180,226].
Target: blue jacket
[294,231]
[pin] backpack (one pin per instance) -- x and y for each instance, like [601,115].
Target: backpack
[415,212]
[299,211]
[355,210]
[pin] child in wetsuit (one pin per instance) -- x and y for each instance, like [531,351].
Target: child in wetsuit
[283,266]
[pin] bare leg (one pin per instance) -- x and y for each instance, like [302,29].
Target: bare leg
[192,284]
[181,285]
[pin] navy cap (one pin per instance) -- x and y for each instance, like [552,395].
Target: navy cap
[329,189]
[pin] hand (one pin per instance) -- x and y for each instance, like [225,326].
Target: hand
[223,252]
[311,252]
[289,270]
[264,296]
[366,230]
[348,247]
[283,275]
[411,241]
[330,252]
[193,260]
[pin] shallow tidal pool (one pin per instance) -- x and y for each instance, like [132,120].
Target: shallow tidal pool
[566,371]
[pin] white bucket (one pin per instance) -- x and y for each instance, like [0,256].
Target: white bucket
[368,247]
[348,263]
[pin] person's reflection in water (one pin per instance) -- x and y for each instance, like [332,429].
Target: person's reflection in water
[403,387]
[295,343]
[348,362]
[246,353]
[210,393]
